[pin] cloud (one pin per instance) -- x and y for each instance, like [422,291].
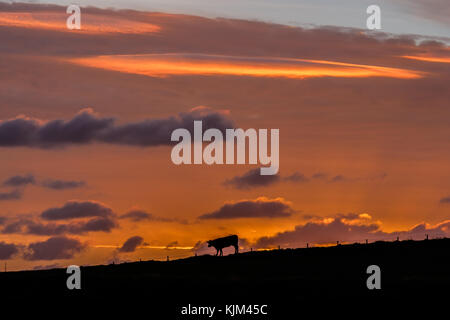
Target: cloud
[12,195]
[13,227]
[157,65]
[319,175]
[28,226]
[18,181]
[87,127]
[24,131]
[338,178]
[62,184]
[93,24]
[54,248]
[445,200]
[56,184]
[296,177]
[253,179]
[157,132]
[131,244]
[137,215]
[347,228]
[261,207]
[103,224]
[77,209]
[8,250]
[91,216]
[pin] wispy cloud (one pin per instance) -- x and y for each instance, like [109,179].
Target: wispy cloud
[91,23]
[158,65]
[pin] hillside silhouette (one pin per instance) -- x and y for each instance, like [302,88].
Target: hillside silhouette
[285,279]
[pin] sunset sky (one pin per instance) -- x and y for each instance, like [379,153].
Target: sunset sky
[86,116]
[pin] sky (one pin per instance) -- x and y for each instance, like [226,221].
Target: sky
[86,116]
[424,17]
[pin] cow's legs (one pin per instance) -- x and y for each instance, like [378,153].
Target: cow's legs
[236,249]
[217,253]
[221,252]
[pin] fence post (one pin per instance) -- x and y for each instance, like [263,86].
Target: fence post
[397,239]
[427,237]
[167,258]
[307,245]
[279,247]
[367,241]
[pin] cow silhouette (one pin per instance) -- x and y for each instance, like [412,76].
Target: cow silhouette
[224,242]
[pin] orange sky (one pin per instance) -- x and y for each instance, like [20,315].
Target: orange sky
[363,121]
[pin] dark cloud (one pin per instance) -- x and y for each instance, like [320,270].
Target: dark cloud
[30,132]
[62,184]
[296,177]
[445,200]
[54,248]
[15,226]
[36,228]
[252,178]
[338,178]
[18,181]
[56,184]
[258,208]
[52,229]
[137,215]
[157,132]
[8,250]
[87,127]
[131,244]
[28,226]
[93,217]
[319,175]
[11,195]
[347,228]
[93,225]
[77,209]
[97,224]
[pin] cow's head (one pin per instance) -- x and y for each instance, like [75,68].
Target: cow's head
[209,243]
